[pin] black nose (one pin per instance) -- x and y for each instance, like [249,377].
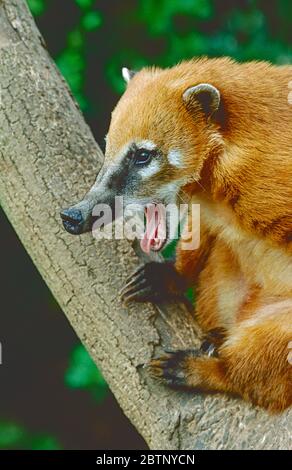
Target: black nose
[73,221]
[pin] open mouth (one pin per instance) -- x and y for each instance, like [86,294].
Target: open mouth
[155,235]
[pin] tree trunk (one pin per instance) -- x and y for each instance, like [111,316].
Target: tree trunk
[49,159]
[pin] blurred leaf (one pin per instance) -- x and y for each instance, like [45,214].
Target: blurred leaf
[10,434]
[37,7]
[85,3]
[83,373]
[13,436]
[91,21]
[249,22]
[158,14]
[71,63]
[75,39]
[169,250]
[190,294]
[45,443]
[188,46]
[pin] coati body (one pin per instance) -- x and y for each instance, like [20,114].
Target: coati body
[223,136]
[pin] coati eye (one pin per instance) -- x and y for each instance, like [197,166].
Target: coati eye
[142,156]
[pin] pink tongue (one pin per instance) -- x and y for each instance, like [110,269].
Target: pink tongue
[154,235]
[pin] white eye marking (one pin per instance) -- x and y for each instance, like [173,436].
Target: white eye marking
[175,158]
[146,144]
[150,169]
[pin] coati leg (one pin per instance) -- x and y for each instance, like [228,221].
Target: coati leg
[253,362]
[156,282]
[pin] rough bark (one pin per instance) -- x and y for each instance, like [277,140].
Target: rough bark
[48,160]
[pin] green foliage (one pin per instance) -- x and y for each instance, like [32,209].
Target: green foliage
[164,32]
[182,29]
[159,15]
[37,7]
[200,27]
[169,250]
[43,442]
[71,63]
[72,60]
[14,436]
[190,294]
[91,20]
[83,373]
[85,3]
[10,435]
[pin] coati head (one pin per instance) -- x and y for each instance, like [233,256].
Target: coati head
[162,131]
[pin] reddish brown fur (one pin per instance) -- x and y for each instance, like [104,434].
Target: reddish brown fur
[241,166]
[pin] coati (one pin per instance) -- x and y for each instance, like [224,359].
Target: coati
[217,133]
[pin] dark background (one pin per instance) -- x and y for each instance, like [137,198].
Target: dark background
[51,394]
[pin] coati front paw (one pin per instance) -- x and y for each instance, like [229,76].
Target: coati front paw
[176,368]
[153,282]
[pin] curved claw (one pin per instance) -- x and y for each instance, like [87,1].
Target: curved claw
[140,287]
[165,369]
[173,368]
[170,351]
[134,281]
[152,282]
[138,295]
[135,273]
[133,285]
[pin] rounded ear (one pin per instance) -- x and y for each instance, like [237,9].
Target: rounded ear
[204,94]
[127,74]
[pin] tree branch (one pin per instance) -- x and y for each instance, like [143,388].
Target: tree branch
[48,161]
